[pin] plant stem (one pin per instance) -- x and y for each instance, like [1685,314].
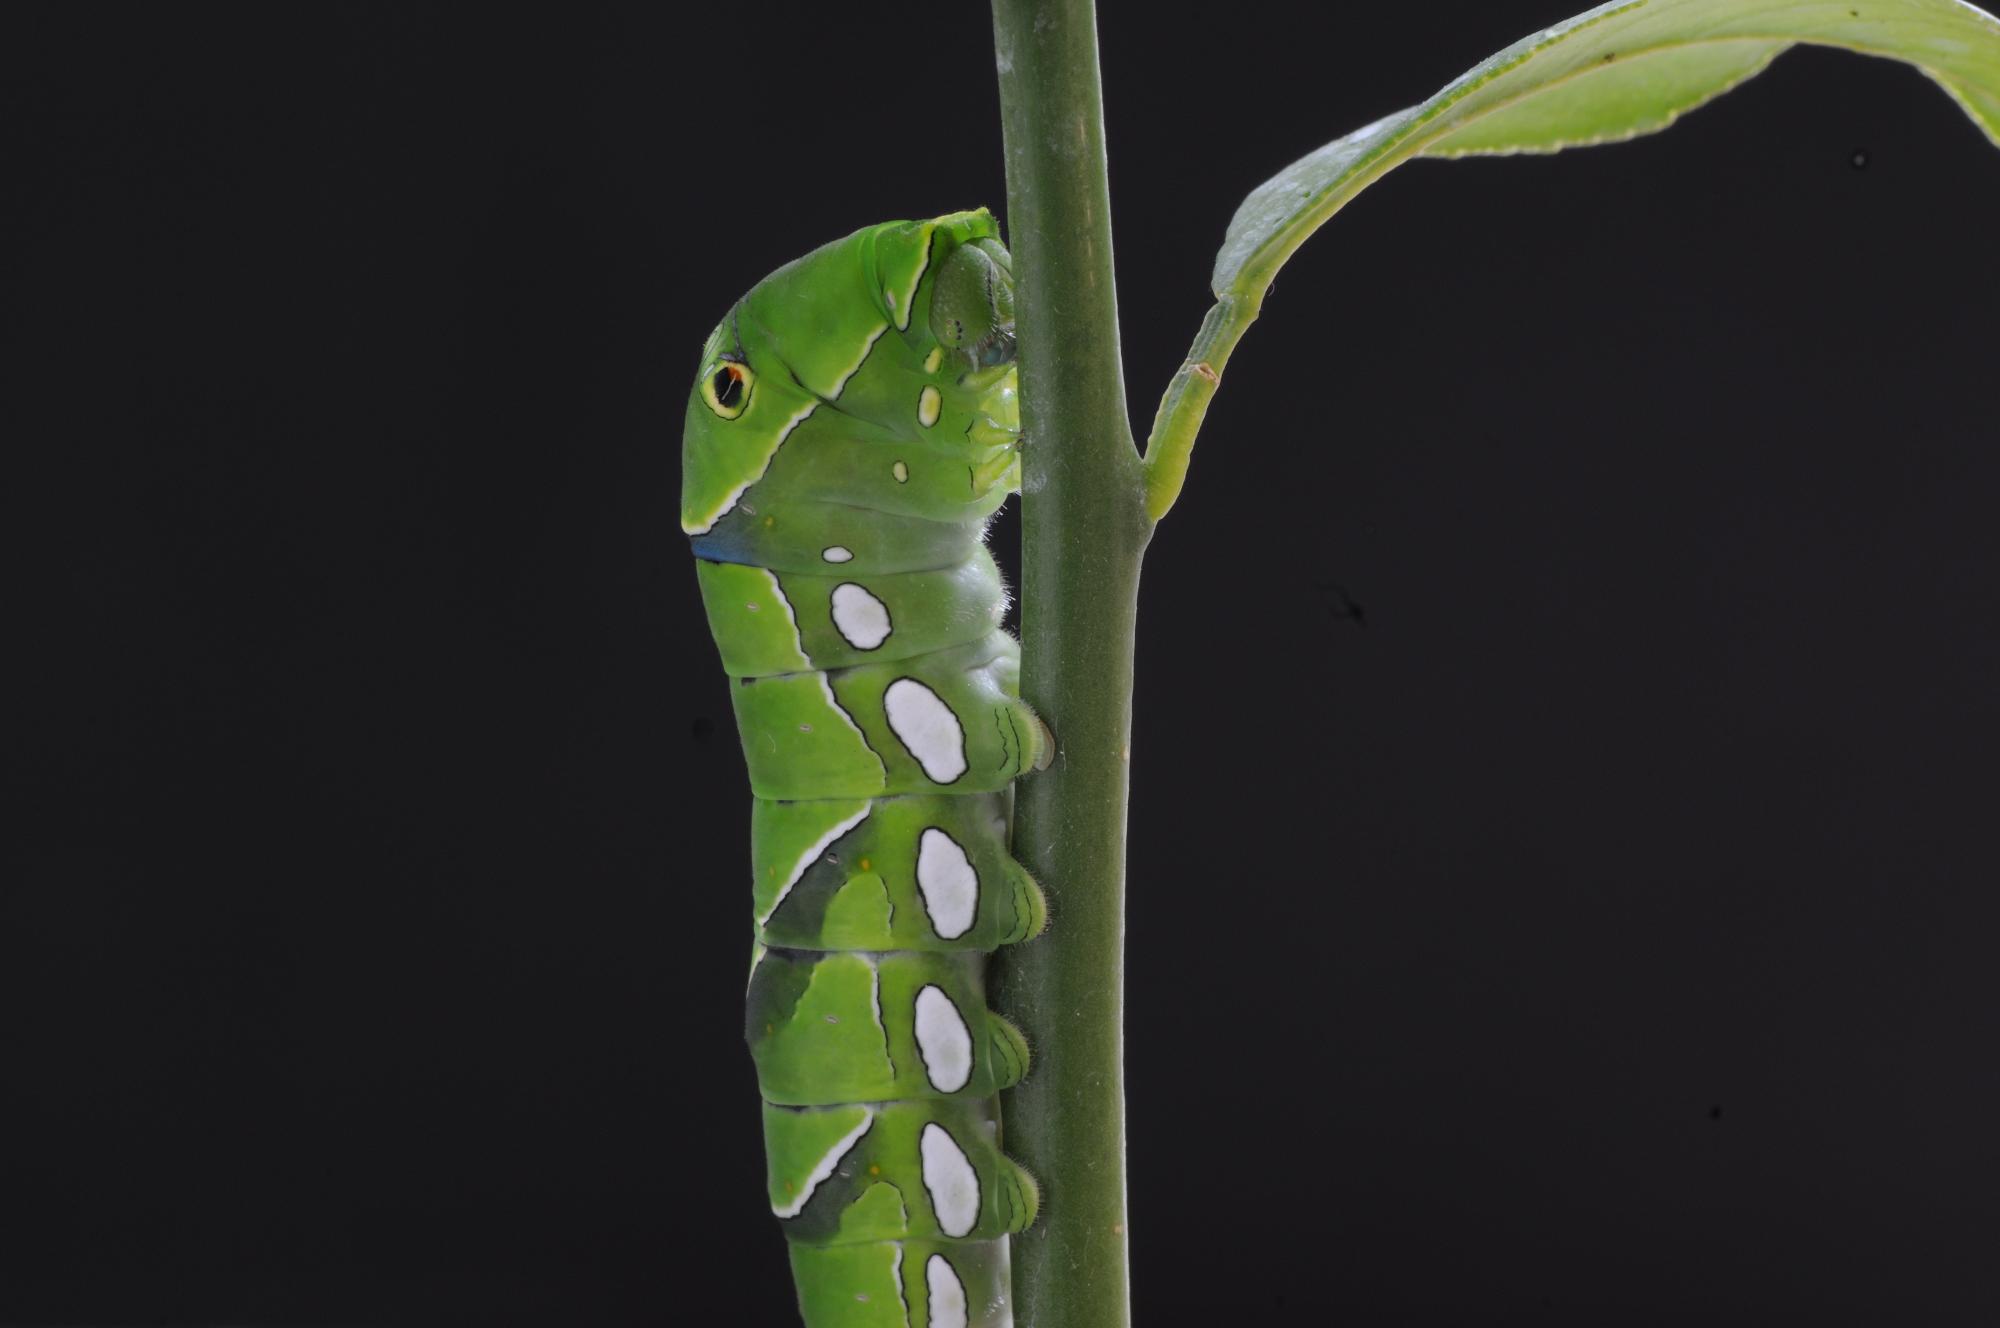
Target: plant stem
[1185,403]
[1084,531]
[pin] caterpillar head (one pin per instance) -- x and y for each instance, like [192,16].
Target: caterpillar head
[859,325]
[972,304]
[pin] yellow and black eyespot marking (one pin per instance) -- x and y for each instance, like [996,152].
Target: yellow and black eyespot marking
[726,386]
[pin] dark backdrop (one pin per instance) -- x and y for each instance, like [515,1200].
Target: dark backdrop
[1564,791]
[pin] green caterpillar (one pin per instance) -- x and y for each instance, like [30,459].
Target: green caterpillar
[852,429]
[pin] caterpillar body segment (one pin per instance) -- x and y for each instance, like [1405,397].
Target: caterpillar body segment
[852,428]
[900,873]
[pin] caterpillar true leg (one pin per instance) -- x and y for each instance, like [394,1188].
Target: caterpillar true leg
[852,428]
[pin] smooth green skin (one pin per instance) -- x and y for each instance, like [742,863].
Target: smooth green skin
[852,427]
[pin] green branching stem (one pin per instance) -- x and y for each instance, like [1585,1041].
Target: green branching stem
[1621,70]
[1084,529]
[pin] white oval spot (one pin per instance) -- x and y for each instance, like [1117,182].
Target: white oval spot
[860,618]
[901,472]
[929,403]
[836,554]
[943,1040]
[948,883]
[925,726]
[950,1180]
[944,1294]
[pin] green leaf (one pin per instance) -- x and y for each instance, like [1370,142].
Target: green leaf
[1616,72]
[1621,70]
[1613,100]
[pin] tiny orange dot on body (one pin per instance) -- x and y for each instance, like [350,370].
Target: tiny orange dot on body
[874,1171]
[865,865]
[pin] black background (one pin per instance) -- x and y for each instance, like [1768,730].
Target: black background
[1595,926]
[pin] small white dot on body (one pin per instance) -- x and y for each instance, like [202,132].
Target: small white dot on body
[929,404]
[836,554]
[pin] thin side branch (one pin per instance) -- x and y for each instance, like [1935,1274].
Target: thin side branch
[1185,402]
